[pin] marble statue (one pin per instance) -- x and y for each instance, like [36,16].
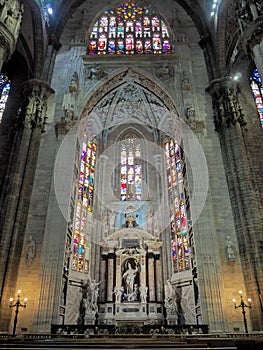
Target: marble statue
[90,296]
[170,302]
[118,291]
[129,277]
[143,293]
[30,251]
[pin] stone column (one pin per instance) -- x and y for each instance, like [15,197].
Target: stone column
[11,13]
[100,177]
[18,200]
[246,206]
[110,281]
[159,278]
[151,277]
[103,277]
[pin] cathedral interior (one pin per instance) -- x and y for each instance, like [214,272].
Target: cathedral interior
[131,165]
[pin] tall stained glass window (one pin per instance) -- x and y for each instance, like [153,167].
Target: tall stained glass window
[129,29]
[257,89]
[131,168]
[177,207]
[4,92]
[80,258]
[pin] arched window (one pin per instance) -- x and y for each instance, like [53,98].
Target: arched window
[4,92]
[129,29]
[256,86]
[177,206]
[131,168]
[80,258]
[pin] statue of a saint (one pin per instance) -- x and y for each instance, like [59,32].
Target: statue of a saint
[229,249]
[94,290]
[143,293]
[129,277]
[30,251]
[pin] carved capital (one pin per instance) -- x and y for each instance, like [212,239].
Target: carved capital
[227,109]
[36,93]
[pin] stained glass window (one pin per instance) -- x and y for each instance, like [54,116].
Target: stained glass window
[129,29]
[177,207]
[80,257]
[257,89]
[4,92]
[131,168]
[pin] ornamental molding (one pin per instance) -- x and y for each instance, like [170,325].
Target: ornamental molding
[130,233]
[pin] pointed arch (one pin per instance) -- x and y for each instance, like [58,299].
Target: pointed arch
[119,79]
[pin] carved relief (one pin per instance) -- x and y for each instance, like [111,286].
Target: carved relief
[170,300]
[137,79]
[11,15]
[129,102]
[74,311]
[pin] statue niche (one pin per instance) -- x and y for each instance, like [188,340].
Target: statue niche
[130,280]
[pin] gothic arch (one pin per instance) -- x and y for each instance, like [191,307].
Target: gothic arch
[118,80]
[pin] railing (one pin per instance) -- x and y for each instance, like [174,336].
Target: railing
[152,330]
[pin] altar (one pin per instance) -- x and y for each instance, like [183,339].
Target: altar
[130,269]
